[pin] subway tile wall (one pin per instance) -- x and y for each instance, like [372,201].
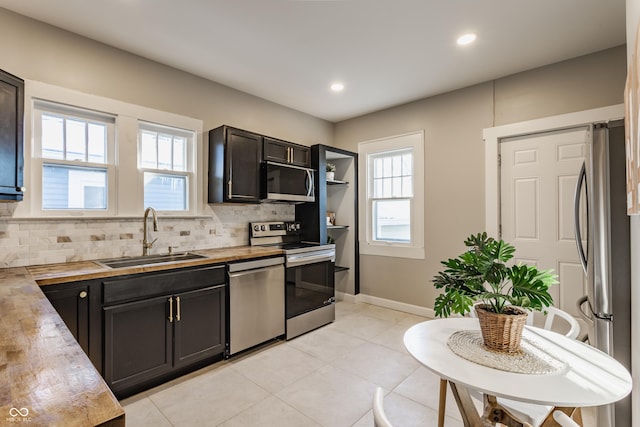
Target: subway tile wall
[46,241]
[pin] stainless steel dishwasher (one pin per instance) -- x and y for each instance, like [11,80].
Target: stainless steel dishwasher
[256,302]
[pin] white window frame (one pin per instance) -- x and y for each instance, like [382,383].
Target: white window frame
[368,246]
[190,136]
[127,187]
[38,162]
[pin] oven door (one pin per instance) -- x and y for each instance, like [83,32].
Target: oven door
[309,286]
[287,183]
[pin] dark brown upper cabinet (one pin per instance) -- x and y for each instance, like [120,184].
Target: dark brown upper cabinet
[276,150]
[234,165]
[11,137]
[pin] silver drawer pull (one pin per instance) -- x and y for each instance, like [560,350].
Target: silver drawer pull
[170,309]
[83,294]
[178,313]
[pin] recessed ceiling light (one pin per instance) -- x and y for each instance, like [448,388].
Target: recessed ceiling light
[466,39]
[337,87]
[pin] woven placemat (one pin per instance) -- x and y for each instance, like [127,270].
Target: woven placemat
[532,358]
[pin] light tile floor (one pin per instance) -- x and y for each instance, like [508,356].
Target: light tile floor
[326,377]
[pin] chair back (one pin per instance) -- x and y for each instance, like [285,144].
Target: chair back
[379,417]
[564,420]
[558,320]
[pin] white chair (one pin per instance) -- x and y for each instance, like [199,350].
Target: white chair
[379,417]
[527,412]
[564,420]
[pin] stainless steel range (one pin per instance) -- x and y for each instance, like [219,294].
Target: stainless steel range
[309,275]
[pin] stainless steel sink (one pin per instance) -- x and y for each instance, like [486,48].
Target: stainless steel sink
[148,259]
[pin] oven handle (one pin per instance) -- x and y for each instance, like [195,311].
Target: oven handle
[295,261]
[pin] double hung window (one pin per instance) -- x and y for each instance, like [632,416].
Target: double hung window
[164,159]
[393,175]
[74,157]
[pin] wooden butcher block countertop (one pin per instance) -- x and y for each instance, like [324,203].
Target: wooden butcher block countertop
[45,377]
[83,270]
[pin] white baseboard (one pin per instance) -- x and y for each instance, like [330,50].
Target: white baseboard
[387,303]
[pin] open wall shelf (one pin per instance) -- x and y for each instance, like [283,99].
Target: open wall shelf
[338,197]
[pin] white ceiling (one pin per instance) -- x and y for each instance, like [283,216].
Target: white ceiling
[387,52]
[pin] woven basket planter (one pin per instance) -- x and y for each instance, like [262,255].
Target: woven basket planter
[502,332]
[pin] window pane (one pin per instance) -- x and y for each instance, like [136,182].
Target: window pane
[97,143]
[377,167]
[148,153]
[165,192]
[179,154]
[164,152]
[407,164]
[397,165]
[396,184]
[72,187]
[76,146]
[392,220]
[407,186]
[386,167]
[52,137]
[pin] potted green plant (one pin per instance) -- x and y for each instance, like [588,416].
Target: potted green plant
[331,170]
[505,293]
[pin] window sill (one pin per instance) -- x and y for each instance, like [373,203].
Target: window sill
[391,251]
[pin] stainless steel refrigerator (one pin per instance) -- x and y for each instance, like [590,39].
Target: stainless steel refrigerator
[603,242]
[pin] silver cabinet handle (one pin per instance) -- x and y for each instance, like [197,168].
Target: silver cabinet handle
[83,294]
[21,189]
[178,311]
[170,309]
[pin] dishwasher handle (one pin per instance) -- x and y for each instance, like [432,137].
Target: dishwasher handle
[252,271]
[255,264]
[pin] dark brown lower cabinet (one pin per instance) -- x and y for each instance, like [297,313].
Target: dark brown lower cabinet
[137,342]
[149,340]
[199,332]
[78,304]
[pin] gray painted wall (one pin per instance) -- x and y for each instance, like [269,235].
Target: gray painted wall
[36,51]
[453,123]
[454,154]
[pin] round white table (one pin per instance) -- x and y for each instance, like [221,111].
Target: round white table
[591,377]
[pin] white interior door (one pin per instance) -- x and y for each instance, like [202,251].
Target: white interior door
[538,175]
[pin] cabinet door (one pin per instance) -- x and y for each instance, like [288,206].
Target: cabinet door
[72,304]
[300,156]
[276,151]
[137,342]
[199,325]
[11,137]
[286,152]
[242,163]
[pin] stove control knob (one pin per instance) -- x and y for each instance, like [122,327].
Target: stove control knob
[256,227]
[263,227]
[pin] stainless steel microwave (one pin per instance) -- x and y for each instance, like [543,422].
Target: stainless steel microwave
[287,183]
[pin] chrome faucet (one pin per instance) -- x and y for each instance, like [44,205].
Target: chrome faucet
[146,244]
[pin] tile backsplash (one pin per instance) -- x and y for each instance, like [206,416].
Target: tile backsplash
[46,241]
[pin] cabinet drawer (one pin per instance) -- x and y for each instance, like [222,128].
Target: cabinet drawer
[148,285]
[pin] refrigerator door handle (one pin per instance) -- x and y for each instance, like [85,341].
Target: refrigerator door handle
[582,181]
[586,315]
